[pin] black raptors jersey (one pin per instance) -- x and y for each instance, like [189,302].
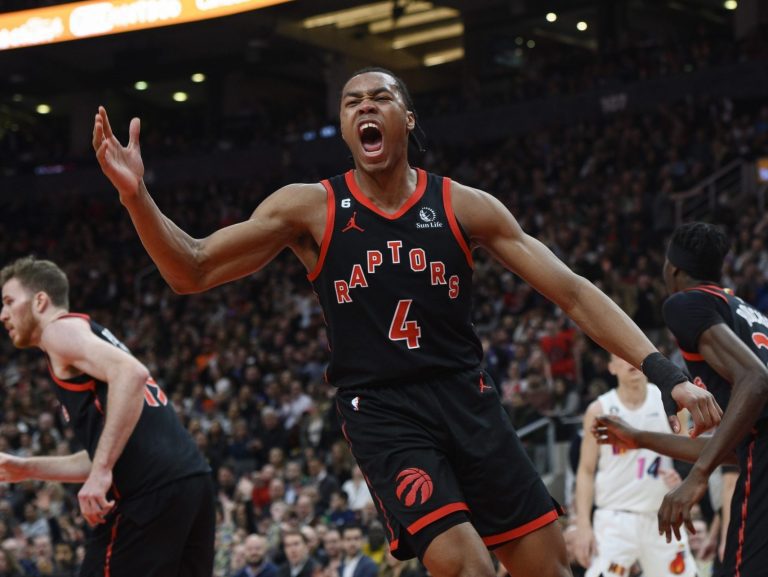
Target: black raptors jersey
[396,289]
[158,451]
[689,313]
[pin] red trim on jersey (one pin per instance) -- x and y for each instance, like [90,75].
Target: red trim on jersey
[108,557]
[78,315]
[691,356]
[421,186]
[453,223]
[712,289]
[330,207]
[522,530]
[76,387]
[436,515]
[747,491]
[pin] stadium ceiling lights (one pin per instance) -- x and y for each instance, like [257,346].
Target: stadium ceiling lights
[364,14]
[730,4]
[43,109]
[551,17]
[414,19]
[198,77]
[141,85]
[437,58]
[431,35]
[581,26]
[180,96]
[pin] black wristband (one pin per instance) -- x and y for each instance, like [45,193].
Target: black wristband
[664,374]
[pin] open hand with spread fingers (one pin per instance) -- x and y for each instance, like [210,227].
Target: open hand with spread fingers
[121,164]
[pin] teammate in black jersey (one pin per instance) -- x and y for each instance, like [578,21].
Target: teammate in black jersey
[724,342]
[388,249]
[147,490]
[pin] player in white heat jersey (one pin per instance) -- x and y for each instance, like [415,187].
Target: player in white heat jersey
[626,487]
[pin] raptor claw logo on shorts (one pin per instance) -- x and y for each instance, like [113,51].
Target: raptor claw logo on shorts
[414,486]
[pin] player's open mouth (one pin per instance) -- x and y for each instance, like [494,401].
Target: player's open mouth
[370,137]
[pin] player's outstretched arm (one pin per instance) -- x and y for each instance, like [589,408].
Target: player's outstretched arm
[66,469]
[490,225]
[70,342]
[611,430]
[189,264]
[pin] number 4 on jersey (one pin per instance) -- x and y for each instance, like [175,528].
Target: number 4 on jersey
[402,330]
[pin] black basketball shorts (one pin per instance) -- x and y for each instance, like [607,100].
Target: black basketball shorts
[167,533]
[442,452]
[746,548]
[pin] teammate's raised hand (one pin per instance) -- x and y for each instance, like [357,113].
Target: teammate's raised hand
[121,164]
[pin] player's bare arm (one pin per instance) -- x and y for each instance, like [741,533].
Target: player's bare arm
[65,469]
[294,217]
[611,430]
[491,226]
[585,546]
[74,349]
[731,358]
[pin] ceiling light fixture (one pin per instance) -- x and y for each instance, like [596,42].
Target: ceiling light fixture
[430,35]
[415,19]
[437,58]
[363,14]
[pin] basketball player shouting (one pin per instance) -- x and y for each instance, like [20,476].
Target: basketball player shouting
[388,249]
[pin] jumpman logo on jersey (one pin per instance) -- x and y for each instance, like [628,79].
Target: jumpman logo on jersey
[352,224]
[483,386]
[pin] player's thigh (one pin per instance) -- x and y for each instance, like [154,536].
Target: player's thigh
[657,557]
[505,494]
[156,546]
[458,551]
[198,553]
[397,441]
[124,550]
[539,553]
[618,543]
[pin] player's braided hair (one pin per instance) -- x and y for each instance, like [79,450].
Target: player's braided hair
[417,135]
[699,249]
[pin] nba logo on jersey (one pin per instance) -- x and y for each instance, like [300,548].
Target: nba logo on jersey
[356,403]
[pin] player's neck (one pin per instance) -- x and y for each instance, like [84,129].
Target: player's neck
[388,189]
[632,395]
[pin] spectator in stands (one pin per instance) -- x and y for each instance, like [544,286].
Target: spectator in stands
[354,563]
[257,563]
[298,561]
[357,490]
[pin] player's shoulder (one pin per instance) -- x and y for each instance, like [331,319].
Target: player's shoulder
[683,301]
[594,409]
[66,334]
[294,199]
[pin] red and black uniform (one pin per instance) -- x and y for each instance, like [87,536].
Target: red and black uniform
[688,314]
[163,521]
[424,422]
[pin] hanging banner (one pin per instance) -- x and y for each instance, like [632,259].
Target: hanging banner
[99,18]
